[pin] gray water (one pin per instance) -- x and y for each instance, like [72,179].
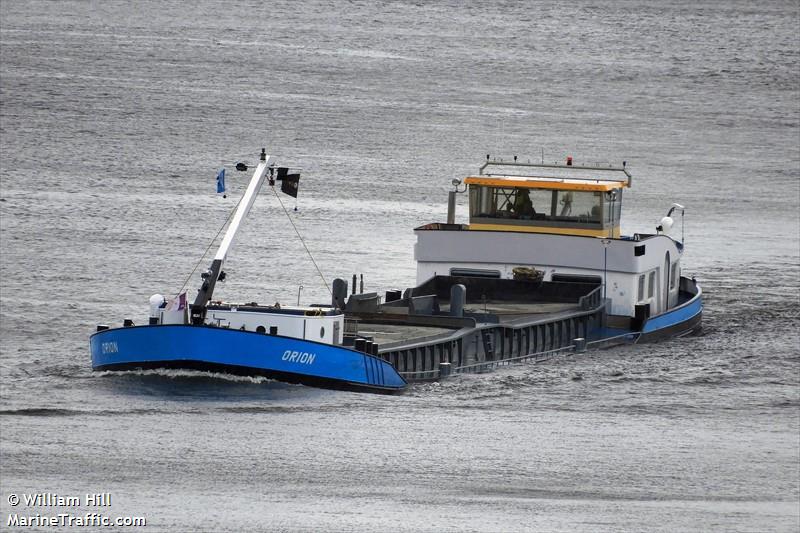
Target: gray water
[116,117]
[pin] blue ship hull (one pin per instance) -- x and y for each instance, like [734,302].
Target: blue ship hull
[685,319]
[243,353]
[679,321]
[293,360]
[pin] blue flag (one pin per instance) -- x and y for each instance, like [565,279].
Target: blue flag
[221,181]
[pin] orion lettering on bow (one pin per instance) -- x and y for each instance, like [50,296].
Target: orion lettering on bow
[109,347]
[299,357]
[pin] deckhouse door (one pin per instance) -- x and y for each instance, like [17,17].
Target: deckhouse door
[666,279]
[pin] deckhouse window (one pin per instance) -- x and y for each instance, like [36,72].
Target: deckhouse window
[507,202]
[581,206]
[651,284]
[612,206]
[504,199]
[554,206]
[640,294]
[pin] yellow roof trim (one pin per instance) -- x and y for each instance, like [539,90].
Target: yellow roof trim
[607,232]
[545,184]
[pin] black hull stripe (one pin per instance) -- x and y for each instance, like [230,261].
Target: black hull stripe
[236,370]
[691,326]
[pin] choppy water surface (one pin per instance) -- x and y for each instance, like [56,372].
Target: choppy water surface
[115,118]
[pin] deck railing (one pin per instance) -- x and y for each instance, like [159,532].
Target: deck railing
[485,366]
[472,349]
[538,356]
[591,300]
[624,338]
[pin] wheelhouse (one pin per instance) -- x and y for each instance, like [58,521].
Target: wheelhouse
[564,200]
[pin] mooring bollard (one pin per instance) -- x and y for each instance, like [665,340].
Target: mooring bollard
[444,370]
[339,293]
[580,344]
[360,344]
[458,297]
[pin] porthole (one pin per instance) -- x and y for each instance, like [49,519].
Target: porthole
[261,329]
[322,333]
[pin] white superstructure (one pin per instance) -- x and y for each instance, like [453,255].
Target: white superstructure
[564,221]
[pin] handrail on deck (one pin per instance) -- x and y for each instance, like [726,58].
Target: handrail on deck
[630,338]
[591,300]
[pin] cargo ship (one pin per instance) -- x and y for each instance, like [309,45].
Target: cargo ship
[540,269]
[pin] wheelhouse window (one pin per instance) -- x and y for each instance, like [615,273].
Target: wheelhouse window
[585,207]
[651,284]
[495,202]
[612,206]
[580,206]
[674,275]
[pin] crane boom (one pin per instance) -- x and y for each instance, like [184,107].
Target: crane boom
[210,277]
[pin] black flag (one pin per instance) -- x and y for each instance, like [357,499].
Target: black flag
[289,182]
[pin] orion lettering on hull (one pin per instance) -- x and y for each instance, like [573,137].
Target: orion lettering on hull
[304,358]
[109,347]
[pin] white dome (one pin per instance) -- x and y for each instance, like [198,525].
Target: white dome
[156,301]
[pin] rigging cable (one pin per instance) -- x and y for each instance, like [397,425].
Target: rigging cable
[209,246]
[301,238]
